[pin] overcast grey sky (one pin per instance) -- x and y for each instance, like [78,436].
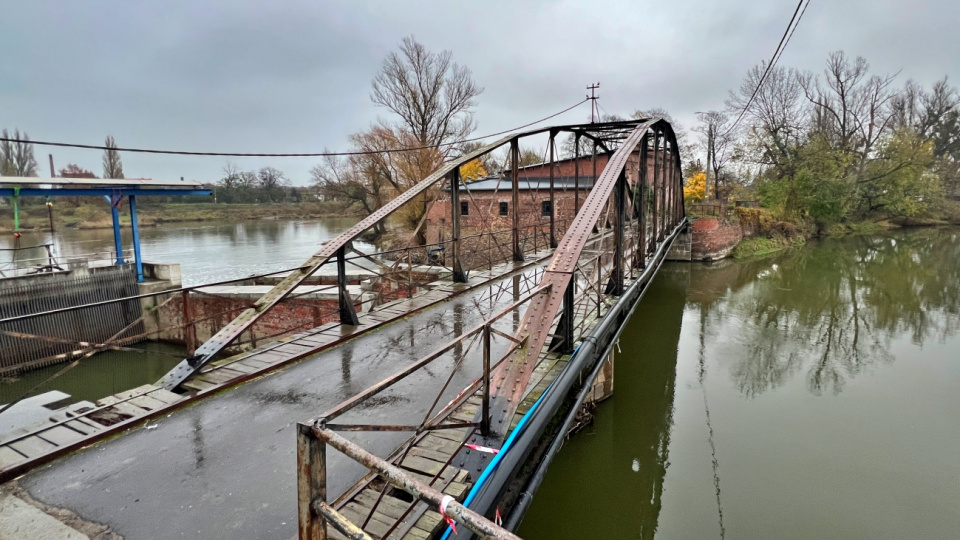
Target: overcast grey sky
[255,76]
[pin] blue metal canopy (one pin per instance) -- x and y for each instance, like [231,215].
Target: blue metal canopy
[114,190]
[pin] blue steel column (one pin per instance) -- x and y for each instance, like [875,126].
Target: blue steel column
[135,227]
[115,212]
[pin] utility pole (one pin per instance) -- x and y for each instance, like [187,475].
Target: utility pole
[593,101]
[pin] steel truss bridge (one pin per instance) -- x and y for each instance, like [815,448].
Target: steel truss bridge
[512,380]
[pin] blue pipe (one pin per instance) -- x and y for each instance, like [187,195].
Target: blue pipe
[503,450]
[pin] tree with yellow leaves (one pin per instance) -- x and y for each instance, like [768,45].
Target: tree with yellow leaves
[694,188]
[472,170]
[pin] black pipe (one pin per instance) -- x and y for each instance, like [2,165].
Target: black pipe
[488,497]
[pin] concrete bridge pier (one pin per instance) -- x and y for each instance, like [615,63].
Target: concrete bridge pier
[603,385]
[682,249]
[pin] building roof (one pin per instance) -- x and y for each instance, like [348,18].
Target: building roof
[29,186]
[531,183]
[128,183]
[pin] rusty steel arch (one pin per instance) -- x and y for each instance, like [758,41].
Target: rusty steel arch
[335,250]
[509,381]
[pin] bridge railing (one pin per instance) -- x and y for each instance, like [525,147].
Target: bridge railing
[620,227]
[312,438]
[526,233]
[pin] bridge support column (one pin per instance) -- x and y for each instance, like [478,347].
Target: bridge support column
[115,201]
[640,257]
[135,229]
[553,205]
[515,199]
[603,384]
[311,483]
[455,212]
[576,174]
[655,214]
[615,286]
[348,314]
[563,341]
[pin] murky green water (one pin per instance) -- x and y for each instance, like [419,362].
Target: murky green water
[815,394]
[99,376]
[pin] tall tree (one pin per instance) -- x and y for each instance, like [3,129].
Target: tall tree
[432,100]
[16,157]
[717,140]
[112,166]
[432,96]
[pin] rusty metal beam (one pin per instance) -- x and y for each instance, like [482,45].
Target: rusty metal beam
[515,198]
[459,276]
[511,378]
[401,480]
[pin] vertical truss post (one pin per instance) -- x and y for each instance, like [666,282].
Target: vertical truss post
[188,328]
[553,206]
[640,259]
[485,411]
[661,226]
[311,483]
[458,274]
[348,314]
[615,287]
[515,201]
[576,174]
[654,222]
[564,340]
[671,187]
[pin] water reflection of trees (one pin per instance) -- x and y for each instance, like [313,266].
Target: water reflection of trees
[831,310]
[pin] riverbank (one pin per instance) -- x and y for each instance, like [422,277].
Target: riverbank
[763,234]
[97,216]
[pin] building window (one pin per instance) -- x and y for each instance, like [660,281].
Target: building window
[504,209]
[546,209]
[464,208]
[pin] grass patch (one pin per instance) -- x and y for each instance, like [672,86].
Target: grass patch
[757,247]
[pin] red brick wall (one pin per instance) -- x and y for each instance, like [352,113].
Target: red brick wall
[714,238]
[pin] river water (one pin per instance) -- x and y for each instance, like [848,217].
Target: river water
[206,252]
[814,394]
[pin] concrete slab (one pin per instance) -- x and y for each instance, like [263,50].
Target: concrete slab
[22,521]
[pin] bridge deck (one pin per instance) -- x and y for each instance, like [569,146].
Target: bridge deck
[84,423]
[225,467]
[429,460]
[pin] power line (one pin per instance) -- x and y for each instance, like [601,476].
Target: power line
[314,154]
[787,34]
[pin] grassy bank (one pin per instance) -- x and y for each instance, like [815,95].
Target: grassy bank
[88,215]
[765,234]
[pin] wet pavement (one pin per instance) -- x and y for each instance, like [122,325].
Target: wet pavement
[226,466]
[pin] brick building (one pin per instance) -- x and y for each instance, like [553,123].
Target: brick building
[485,203]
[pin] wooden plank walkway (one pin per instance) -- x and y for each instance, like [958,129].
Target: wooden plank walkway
[433,452]
[83,423]
[429,461]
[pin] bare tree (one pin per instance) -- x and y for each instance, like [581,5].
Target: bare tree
[16,157]
[432,95]
[716,139]
[112,166]
[272,182]
[775,118]
[851,109]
